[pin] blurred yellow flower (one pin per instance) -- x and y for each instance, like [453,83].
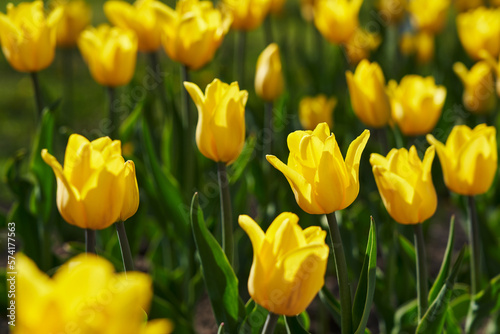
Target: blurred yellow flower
[405,184]
[391,11]
[76,16]
[97,187]
[337,20]
[479,88]
[269,75]
[480,29]
[469,159]
[110,53]
[247,14]
[422,44]
[289,263]
[307,9]
[220,133]
[495,66]
[192,33]
[429,15]
[276,6]
[85,296]
[28,37]
[465,5]
[361,43]
[368,96]
[140,17]
[416,104]
[316,110]
[321,180]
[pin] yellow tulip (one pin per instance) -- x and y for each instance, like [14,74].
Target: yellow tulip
[316,110]
[140,17]
[220,132]
[289,263]
[97,187]
[28,37]
[479,89]
[465,5]
[361,43]
[321,180]
[480,29]
[269,74]
[276,6]
[307,9]
[422,44]
[110,53]
[416,104]
[429,15]
[76,16]
[405,184]
[392,11]
[192,33]
[337,20]
[495,66]
[469,159]
[85,296]
[368,97]
[247,14]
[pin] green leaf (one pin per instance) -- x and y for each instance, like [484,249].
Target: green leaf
[366,287]
[293,326]
[331,303]
[445,265]
[434,319]
[127,127]
[161,308]
[240,165]
[406,318]
[408,249]
[485,303]
[220,279]
[255,318]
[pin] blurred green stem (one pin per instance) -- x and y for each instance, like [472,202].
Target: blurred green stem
[128,261]
[342,274]
[268,128]
[240,56]
[38,94]
[189,161]
[225,210]
[268,30]
[90,241]
[270,325]
[475,259]
[421,270]
[114,123]
[154,63]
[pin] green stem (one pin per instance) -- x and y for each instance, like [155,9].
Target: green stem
[185,97]
[114,122]
[154,63]
[475,258]
[226,214]
[422,293]
[90,241]
[342,274]
[38,94]
[128,261]
[268,30]
[268,128]
[270,325]
[240,56]
[189,158]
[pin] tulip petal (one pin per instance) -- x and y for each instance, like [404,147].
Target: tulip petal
[253,231]
[131,192]
[315,235]
[352,161]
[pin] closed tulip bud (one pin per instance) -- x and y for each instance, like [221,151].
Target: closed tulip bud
[193,32]
[140,17]
[96,187]
[392,11]
[480,29]
[422,44]
[405,184]
[103,302]
[479,90]
[368,97]
[337,20]
[76,16]
[110,53]
[316,110]
[321,180]
[359,46]
[289,263]
[220,133]
[495,66]
[247,14]
[429,15]
[28,37]
[269,81]
[416,104]
[469,159]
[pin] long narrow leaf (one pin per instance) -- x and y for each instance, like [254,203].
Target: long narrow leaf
[486,302]
[331,303]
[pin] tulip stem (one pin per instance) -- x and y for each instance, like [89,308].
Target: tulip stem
[421,270]
[226,214]
[270,325]
[342,274]
[189,157]
[268,30]
[38,94]
[128,261]
[113,126]
[475,259]
[268,127]
[240,56]
[90,241]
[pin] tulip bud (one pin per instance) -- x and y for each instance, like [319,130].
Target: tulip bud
[316,110]
[429,15]
[337,20]
[392,11]
[247,14]
[469,159]
[480,29]
[269,76]
[479,91]
[76,15]
[289,263]
[422,44]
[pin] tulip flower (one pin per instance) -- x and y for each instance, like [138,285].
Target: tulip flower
[469,158]
[269,75]
[110,53]
[76,15]
[337,20]
[392,11]
[96,187]
[84,294]
[316,110]
[480,29]
[368,97]
[28,37]
[192,33]
[321,180]
[479,88]
[361,43]
[247,14]
[289,263]
[422,44]
[429,15]
[416,104]
[276,6]
[495,66]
